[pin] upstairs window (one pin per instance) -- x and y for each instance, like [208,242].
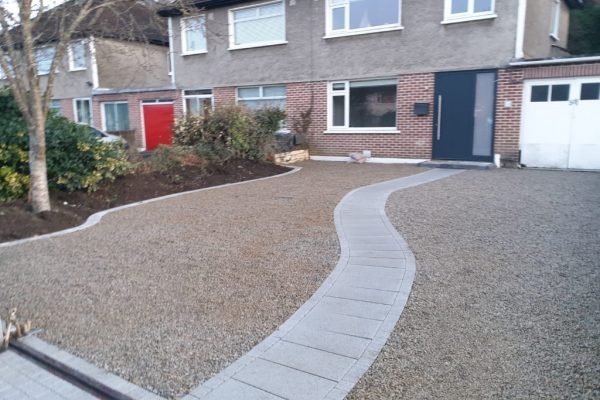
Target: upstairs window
[193,35]
[77,56]
[43,59]
[260,25]
[356,16]
[465,10]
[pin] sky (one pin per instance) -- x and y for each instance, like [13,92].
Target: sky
[12,5]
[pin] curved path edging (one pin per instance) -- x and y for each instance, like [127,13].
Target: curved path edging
[326,346]
[97,217]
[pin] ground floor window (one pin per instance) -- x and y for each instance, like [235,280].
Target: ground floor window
[83,111]
[197,102]
[256,97]
[55,106]
[363,104]
[116,116]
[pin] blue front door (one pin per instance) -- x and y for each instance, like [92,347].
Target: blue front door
[463,127]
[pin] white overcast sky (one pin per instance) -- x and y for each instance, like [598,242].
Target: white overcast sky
[12,5]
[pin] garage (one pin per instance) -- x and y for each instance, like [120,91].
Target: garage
[560,126]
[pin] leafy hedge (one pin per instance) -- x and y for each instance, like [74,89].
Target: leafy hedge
[230,132]
[76,159]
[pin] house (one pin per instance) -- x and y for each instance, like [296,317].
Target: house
[115,75]
[399,80]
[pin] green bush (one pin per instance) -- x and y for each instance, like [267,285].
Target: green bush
[230,132]
[76,159]
[165,158]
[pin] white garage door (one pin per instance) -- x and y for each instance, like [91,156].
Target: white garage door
[560,125]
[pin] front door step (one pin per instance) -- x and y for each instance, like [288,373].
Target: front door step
[457,164]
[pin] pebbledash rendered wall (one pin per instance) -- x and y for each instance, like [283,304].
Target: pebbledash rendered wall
[416,132]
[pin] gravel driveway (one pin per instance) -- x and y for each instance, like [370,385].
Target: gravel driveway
[169,293]
[506,301]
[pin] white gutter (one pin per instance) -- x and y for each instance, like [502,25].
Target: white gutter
[555,61]
[94,62]
[521,16]
[171,53]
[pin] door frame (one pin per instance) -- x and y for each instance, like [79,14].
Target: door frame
[150,102]
[436,112]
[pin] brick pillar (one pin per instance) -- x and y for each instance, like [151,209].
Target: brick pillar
[508,114]
[66,106]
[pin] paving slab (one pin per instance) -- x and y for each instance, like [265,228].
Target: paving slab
[329,343]
[21,379]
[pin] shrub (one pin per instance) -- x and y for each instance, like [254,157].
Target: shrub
[75,158]
[231,132]
[165,158]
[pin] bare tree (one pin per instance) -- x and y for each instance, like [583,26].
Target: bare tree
[26,26]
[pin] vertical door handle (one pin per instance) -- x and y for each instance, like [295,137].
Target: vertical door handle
[439,118]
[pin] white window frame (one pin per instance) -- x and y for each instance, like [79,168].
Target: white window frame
[72,66]
[103,113]
[470,15]
[54,108]
[197,96]
[76,114]
[555,28]
[183,30]
[346,93]
[261,89]
[37,63]
[330,33]
[233,46]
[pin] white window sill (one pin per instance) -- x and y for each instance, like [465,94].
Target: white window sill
[332,35]
[253,45]
[193,53]
[77,69]
[364,131]
[468,18]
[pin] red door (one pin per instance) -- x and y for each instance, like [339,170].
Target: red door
[158,124]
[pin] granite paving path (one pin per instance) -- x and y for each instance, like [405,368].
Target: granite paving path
[21,379]
[324,348]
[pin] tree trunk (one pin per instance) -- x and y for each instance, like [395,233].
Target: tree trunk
[39,196]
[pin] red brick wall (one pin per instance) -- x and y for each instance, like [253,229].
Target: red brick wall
[508,119]
[135,109]
[224,96]
[66,108]
[562,71]
[413,141]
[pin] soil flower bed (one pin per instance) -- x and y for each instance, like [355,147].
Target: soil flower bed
[72,209]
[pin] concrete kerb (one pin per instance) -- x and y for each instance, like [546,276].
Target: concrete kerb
[97,217]
[232,383]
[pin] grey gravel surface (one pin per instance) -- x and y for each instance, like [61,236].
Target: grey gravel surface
[506,300]
[169,293]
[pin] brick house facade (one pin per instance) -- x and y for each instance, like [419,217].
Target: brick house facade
[414,140]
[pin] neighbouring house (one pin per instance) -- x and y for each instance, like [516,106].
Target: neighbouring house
[115,75]
[396,79]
